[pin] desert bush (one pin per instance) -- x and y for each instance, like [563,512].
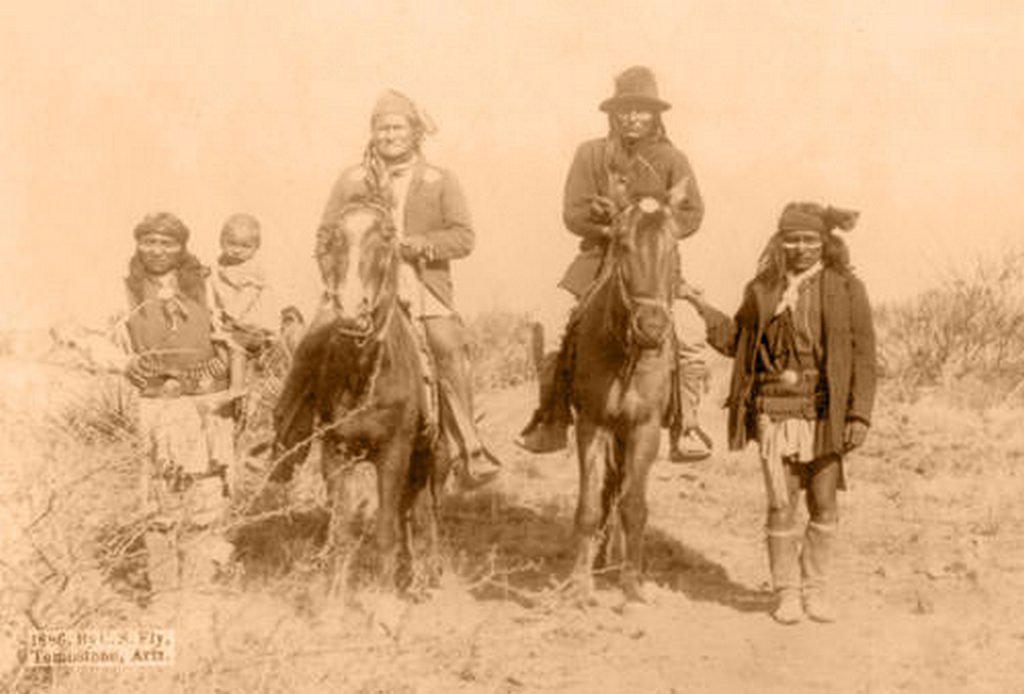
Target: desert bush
[500,349]
[968,328]
[101,414]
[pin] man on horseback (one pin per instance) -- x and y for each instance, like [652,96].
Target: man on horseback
[635,161]
[430,216]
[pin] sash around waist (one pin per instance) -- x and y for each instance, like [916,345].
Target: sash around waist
[791,394]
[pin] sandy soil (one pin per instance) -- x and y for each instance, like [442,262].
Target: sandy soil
[930,580]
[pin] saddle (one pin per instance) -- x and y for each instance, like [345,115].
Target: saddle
[446,414]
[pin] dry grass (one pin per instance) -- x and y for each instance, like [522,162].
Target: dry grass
[933,559]
[74,558]
[500,349]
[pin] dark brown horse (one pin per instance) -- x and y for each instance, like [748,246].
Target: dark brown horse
[621,386]
[367,388]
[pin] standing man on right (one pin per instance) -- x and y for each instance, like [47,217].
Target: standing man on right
[803,387]
[635,160]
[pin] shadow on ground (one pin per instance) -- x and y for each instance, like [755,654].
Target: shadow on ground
[530,550]
[271,547]
[506,549]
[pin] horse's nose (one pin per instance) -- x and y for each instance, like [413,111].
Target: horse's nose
[651,324]
[354,306]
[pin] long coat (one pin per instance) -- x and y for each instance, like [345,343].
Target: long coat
[658,169]
[850,364]
[435,208]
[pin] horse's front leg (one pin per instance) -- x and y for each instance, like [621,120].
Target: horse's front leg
[638,454]
[427,493]
[392,510]
[341,540]
[592,447]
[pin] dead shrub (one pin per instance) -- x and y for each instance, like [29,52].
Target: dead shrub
[968,329]
[102,413]
[500,349]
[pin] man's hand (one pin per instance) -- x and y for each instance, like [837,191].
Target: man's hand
[687,292]
[136,371]
[602,209]
[854,435]
[412,248]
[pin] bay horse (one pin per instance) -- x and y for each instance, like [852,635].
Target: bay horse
[620,387]
[367,388]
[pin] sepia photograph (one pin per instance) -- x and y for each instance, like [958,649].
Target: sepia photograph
[416,347]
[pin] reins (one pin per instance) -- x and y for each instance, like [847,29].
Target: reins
[376,333]
[629,342]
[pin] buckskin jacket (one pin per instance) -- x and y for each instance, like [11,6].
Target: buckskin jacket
[434,208]
[849,339]
[656,169]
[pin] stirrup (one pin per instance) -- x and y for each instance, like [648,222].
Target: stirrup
[468,482]
[691,455]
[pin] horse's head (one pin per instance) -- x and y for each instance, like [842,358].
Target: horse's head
[643,253]
[365,261]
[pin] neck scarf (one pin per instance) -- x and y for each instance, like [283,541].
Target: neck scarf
[794,282]
[186,280]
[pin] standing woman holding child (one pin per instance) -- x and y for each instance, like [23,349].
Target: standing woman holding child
[182,373]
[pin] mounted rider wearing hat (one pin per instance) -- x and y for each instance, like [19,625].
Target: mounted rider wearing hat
[635,160]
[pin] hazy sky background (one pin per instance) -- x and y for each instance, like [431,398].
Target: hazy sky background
[912,112]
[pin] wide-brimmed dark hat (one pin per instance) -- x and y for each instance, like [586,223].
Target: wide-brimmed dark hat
[636,86]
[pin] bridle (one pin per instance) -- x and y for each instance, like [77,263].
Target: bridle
[636,340]
[385,298]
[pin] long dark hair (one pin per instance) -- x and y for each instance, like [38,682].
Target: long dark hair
[810,216]
[771,266]
[191,276]
[619,158]
[659,134]
[378,179]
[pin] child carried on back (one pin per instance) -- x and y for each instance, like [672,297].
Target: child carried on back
[240,302]
[239,285]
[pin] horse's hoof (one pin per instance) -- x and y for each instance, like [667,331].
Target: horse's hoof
[386,612]
[584,601]
[580,594]
[634,592]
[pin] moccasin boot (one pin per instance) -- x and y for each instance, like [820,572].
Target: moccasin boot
[163,571]
[785,569]
[815,561]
